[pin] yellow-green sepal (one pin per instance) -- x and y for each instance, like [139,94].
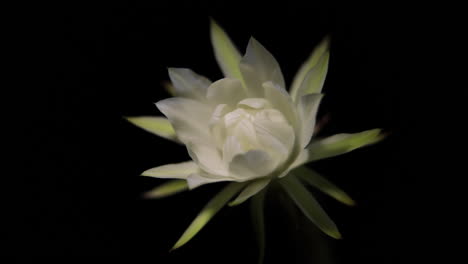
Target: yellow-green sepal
[155,124]
[342,143]
[226,53]
[210,209]
[309,206]
[316,180]
[166,189]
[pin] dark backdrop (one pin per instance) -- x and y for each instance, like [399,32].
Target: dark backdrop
[99,62]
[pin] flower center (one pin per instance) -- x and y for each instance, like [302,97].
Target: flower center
[252,125]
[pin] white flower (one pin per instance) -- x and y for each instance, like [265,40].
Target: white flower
[246,128]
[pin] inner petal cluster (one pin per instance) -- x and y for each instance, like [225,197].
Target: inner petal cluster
[252,125]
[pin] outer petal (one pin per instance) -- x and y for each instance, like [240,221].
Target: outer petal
[308,65]
[174,171]
[156,125]
[307,110]
[280,100]
[259,66]
[341,143]
[309,206]
[226,91]
[166,189]
[227,55]
[188,117]
[315,78]
[210,209]
[188,84]
[314,179]
[197,179]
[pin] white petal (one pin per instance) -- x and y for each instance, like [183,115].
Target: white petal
[226,91]
[277,137]
[300,160]
[155,124]
[227,55]
[188,84]
[197,179]
[307,110]
[315,78]
[259,66]
[231,148]
[174,171]
[207,157]
[280,100]
[252,164]
[188,117]
[309,64]
[255,103]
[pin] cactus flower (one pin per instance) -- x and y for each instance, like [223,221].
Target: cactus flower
[248,130]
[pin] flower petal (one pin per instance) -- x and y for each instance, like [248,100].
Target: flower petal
[281,100]
[259,66]
[188,84]
[308,65]
[156,125]
[207,157]
[342,143]
[309,206]
[226,91]
[227,55]
[188,117]
[174,171]
[166,189]
[210,209]
[252,164]
[314,179]
[277,137]
[252,189]
[200,178]
[307,110]
[257,211]
[315,78]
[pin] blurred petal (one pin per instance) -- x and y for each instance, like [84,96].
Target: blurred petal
[252,189]
[259,66]
[309,206]
[156,125]
[175,171]
[188,117]
[208,212]
[227,55]
[315,78]
[308,65]
[257,211]
[307,110]
[226,91]
[311,177]
[342,143]
[167,189]
[188,84]
[254,163]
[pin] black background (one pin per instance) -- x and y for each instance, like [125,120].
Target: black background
[99,62]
